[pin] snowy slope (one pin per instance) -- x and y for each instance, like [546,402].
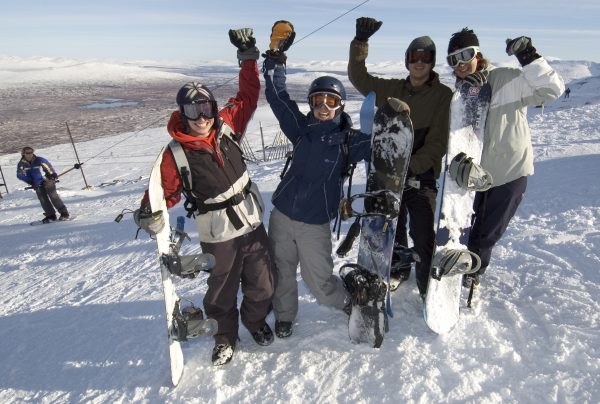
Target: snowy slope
[81,315]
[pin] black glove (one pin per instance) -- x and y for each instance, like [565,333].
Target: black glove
[278,57]
[523,49]
[477,79]
[365,27]
[282,36]
[152,223]
[243,39]
[52,176]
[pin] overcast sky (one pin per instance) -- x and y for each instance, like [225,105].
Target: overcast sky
[196,30]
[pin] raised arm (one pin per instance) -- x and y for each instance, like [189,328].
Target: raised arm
[239,110]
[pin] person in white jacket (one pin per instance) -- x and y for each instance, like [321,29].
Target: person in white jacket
[507,149]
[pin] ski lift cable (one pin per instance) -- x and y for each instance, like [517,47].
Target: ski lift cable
[227,81]
[335,19]
[306,36]
[127,138]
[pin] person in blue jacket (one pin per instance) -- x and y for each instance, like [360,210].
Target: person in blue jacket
[37,172]
[308,196]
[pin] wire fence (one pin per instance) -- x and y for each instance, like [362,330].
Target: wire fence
[279,149]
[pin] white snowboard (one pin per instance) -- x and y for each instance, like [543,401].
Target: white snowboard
[468,111]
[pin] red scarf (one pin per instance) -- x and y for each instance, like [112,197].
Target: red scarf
[176,129]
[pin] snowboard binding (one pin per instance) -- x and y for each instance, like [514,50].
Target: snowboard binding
[384,203]
[364,286]
[469,175]
[454,261]
[188,266]
[185,266]
[189,322]
[379,203]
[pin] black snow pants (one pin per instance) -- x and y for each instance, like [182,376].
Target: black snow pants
[494,209]
[420,206]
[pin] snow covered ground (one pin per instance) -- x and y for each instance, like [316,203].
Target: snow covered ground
[81,312]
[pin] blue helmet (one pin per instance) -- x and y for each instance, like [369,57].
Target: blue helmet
[327,84]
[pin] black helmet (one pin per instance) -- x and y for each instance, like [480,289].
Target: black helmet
[193,92]
[328,84]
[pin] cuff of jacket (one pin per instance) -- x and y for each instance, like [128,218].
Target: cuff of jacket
[359,50]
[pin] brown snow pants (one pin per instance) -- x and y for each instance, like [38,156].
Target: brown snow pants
[247,260]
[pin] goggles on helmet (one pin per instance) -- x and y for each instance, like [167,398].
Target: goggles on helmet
[464,55]
[206,109]
[417,55]
[330,100]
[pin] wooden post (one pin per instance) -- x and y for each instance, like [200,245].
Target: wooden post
[79,163]
[262,139]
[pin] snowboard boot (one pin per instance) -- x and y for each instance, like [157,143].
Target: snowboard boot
[283,329]
[49,219]
[222,354]
[399,274]
[264,335]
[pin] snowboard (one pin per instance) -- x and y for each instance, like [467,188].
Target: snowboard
[178,317]
[39,222]
[468,111]
[391,147]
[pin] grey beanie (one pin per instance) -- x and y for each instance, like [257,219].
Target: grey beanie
[421,43]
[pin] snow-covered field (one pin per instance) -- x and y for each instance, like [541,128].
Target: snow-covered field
[81,312]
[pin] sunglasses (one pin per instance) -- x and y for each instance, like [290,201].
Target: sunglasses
[28,152]
[464,55]
[330,100]
[205,109]
[424,56]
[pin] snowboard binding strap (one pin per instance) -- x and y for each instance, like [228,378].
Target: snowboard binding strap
[363,285]
[454,261]
[188,266]
[379,203]
[469,175]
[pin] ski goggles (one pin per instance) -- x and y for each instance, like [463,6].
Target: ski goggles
[464,55]
[420,55]
[205,109]
[330,100]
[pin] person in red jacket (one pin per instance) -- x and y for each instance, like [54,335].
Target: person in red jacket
[228,207]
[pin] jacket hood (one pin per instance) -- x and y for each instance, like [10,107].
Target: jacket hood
[176,129]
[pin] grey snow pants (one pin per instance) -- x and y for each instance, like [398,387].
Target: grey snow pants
[310,246]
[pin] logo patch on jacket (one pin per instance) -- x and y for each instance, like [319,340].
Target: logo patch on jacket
[474,91]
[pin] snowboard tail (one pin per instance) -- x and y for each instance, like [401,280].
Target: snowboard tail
[368,319]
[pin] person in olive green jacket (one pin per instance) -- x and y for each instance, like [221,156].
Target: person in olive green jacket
[429,102]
